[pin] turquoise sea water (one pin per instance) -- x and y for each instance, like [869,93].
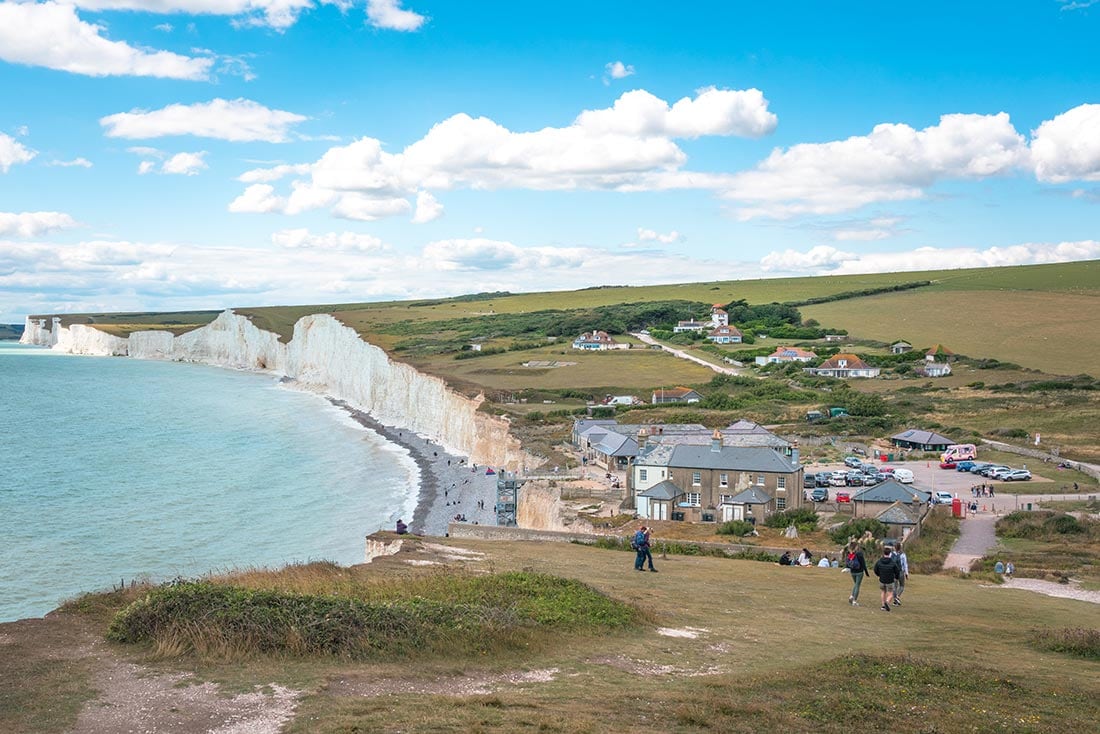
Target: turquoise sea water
[115,468]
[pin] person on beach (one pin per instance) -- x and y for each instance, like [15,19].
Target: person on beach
[887,570]
[903,574]
[642,550]
[857,566]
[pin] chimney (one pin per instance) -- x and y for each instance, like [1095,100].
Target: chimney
[716,441]
[642,435]
[794,453]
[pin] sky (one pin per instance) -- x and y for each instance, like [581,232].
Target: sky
[182,154]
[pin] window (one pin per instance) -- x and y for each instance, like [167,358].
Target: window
[642,475]
[723,480]
[781,483]
[724,499]
[781,503]
[759,480]
[692,499]
[696,479]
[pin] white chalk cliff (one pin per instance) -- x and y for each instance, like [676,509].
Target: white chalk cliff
[323,355]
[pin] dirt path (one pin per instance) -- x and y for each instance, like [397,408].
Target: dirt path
[976,537]
[684,355]
[1063,591]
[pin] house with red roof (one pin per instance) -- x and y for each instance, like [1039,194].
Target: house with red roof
[725,335]
[843,365]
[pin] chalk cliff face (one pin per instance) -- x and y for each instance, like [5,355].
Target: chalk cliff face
[325,356]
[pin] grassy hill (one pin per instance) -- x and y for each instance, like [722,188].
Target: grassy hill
[714,645]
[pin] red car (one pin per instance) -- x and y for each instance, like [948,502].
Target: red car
[843,497]
[948,465]
[886,470]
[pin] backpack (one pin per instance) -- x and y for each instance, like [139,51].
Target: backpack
[638,541]
[853,563]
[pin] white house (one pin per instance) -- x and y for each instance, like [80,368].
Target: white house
[595,341]
[725,335]
[844,365]
[782,355]
[690,325]
[719,317]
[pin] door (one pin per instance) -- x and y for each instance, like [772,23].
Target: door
[659,511]
[727,513]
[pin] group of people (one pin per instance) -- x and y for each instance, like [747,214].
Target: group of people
[892,571]
[641,546]
[982,490]
[805,558]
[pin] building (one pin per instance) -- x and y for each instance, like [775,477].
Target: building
[675,395]
[714,482]
[691,325]
[844,365]
[871,501]
[725,335]
[921,441]
[718,316]
[596,341]
[782,355]
[607,448]
[900,347]
[937,362]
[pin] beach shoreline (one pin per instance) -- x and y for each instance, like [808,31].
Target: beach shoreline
[450,485]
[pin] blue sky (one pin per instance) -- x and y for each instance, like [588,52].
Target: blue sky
[177,154]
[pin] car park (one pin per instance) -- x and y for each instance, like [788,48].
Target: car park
[964,465]
[820,495]
[1017,475]
[947,465]
[942,498]
[809,481]
[853,461]
[843,497]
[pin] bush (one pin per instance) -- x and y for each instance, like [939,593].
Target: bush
[1081,642]
[804,518]
[857,528]
[740,528]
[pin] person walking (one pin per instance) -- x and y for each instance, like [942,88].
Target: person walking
[886,568]
[857,566]
[642,550]
[903,574]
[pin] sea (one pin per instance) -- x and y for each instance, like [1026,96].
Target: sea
[116,469]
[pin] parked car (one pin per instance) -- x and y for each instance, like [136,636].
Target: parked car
[843,497]
[1017,475]
[853,479]
[876,478]
[942,498]
[868,469]
[948,465]
[886,470]
[853,461]
[979,466]
[822,479]
[838,479]
[989,471]
[1000,472]
[820,495]
[964,465]
[904,476]
[809,481]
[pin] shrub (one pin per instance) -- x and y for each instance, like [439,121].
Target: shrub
[740,528]
[857,528]
[804,518]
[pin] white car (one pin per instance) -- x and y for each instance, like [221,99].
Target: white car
[942,498]
[1000,473]
[1016,475]
[838,479]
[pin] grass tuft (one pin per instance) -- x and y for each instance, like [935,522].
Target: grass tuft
[1078,641]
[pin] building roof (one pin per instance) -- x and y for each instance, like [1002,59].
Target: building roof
[940,349]
[924,438]
[901,344]
[600,337]
[673,392]
[616,444]
[734,458]
[751,496]
[725,331]
[898,514]
[853,363]
[665,490]
[792,353]
[583,424]
[890,491]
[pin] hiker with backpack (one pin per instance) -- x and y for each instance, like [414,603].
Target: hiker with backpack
[857,566]
[640,544]
[887,570]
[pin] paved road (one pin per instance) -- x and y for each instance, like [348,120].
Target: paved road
[976,537]
[684,355]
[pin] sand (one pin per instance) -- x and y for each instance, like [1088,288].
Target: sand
[449,484]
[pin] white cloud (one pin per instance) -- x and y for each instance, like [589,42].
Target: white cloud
[338,241]
[628,147]
[74,163]
[236,120]
[258,199]
[825,260]
[880,228]
[427,208]
[50,34]
[185,164]
[146,167]
[1067,147]
[163,27]
[389,14]
[650,235]
[13,152]
[618,70]
[34,224]
[893,163]
[279,14]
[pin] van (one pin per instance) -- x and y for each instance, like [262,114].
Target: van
[904,476]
